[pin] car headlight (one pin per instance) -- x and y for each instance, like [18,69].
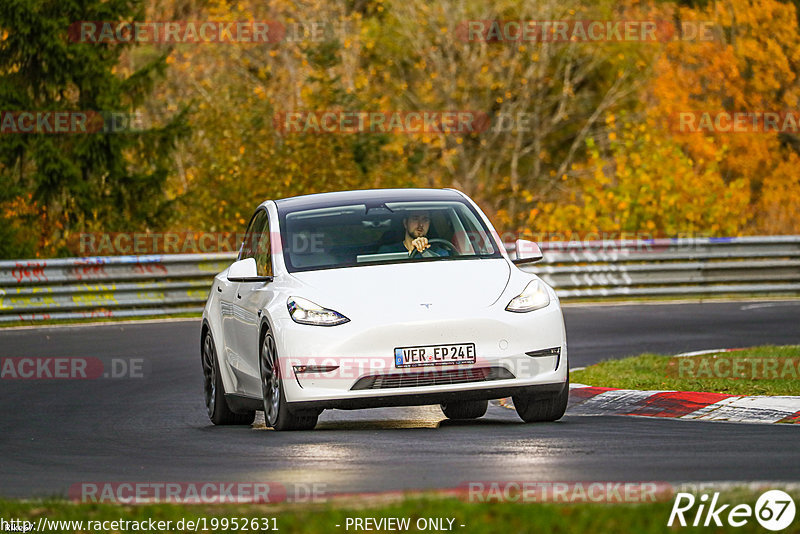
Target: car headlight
[304,311]
[533,297]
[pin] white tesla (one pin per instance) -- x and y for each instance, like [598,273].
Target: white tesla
[335,302]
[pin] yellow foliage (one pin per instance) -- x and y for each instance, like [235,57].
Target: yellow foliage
[665,193]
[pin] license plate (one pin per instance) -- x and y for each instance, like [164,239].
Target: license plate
[424,355]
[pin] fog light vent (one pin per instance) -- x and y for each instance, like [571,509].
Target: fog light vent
[555,351]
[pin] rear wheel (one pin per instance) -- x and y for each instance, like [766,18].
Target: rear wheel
[216,405]
[276,410]
[465,409]
[533,408]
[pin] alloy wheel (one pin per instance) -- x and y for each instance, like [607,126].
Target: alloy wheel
[209,375]
[270,381]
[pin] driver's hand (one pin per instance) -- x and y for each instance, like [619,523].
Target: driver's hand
[420,243]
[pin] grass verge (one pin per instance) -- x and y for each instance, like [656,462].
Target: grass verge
[475,517]
[765,370]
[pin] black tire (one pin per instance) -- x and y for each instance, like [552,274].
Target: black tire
[276,410]
[538,408]
[465,409]
[217,407]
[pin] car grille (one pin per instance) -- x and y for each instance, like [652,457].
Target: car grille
[433,378]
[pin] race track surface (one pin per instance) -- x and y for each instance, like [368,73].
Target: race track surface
[154,429]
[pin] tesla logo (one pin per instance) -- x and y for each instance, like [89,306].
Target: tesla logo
[427,305]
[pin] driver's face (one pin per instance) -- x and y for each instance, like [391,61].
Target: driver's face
[417,225]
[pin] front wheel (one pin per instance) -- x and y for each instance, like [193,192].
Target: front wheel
[533,408]
[276,409]
[216,405]
[465,409]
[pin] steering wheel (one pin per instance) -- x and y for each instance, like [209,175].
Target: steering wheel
[427,253]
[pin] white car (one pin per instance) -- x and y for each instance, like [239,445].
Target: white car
[326,307]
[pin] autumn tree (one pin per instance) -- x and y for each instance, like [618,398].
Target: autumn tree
[644,174]
[752,65]
[66,183]
[544,97]
[236,157]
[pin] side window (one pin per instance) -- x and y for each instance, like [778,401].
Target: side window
[252,235]
[264,252]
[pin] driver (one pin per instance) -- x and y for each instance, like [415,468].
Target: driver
[416,227]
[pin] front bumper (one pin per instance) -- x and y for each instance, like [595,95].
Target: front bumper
[422,399]
[365,374]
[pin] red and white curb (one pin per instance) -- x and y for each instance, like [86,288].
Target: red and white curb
[588,400]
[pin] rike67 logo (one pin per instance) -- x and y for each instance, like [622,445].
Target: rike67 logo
[774,510]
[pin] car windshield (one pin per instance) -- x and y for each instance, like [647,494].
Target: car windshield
[367,234]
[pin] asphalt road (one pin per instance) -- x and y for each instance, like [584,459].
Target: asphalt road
[57,433]
[596,333]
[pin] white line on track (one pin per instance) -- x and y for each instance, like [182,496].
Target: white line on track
[769,305]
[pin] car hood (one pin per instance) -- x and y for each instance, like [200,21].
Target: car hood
[445,286]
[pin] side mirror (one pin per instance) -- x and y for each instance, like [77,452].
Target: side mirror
[527,252]
[245,271]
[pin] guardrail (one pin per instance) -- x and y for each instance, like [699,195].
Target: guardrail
[131,286]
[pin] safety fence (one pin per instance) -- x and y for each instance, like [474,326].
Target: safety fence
[136,286]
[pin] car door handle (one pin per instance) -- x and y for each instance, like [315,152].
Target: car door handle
[238,296]
[219,289]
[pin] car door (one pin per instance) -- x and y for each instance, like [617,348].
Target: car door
[226,292]
[248,305]
[231,308]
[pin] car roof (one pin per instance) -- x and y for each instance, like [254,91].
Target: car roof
[338,198]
